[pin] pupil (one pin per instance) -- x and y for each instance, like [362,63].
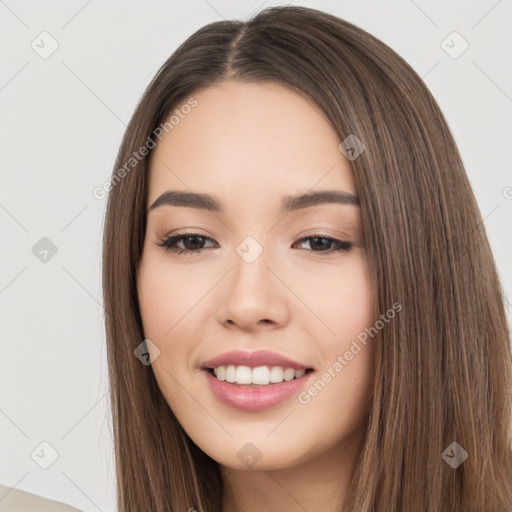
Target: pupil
[194,246]
[323,245]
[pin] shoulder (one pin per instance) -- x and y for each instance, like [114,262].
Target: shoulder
[14,500]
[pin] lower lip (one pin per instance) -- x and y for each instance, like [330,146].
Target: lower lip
[251,398]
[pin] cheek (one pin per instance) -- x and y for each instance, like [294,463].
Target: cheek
[165,296]
[170,301]
[346,306]
[343,298]
[163,301]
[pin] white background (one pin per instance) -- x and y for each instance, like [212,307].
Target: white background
[62,119]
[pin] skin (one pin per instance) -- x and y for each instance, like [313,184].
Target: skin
[250,145]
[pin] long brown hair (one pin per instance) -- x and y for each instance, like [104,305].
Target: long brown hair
[443,366]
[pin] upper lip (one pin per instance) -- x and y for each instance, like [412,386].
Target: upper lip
[254,359]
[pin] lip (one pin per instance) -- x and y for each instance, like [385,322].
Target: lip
[254,398]
[254,359]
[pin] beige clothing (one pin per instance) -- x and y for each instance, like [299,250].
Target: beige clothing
[14,500]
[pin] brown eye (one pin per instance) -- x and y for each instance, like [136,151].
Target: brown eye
[192,243]
[326,244]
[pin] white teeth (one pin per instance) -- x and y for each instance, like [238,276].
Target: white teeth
[230,373]
[261,375]
[243,375]
[276,374]
[289,373]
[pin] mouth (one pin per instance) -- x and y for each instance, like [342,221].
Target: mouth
[255,381]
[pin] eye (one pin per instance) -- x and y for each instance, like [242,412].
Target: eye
[318,240]
[193,243]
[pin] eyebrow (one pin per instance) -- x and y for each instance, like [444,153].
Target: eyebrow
[289,204]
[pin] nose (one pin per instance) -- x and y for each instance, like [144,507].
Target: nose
[253,297]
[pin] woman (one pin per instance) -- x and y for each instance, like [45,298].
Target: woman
[302,308]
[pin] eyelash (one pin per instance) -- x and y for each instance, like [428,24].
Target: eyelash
[169,244]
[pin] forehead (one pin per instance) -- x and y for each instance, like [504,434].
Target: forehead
[258,140]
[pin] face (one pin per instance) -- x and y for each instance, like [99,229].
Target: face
[254,271]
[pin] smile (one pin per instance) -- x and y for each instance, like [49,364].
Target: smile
[254,381]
